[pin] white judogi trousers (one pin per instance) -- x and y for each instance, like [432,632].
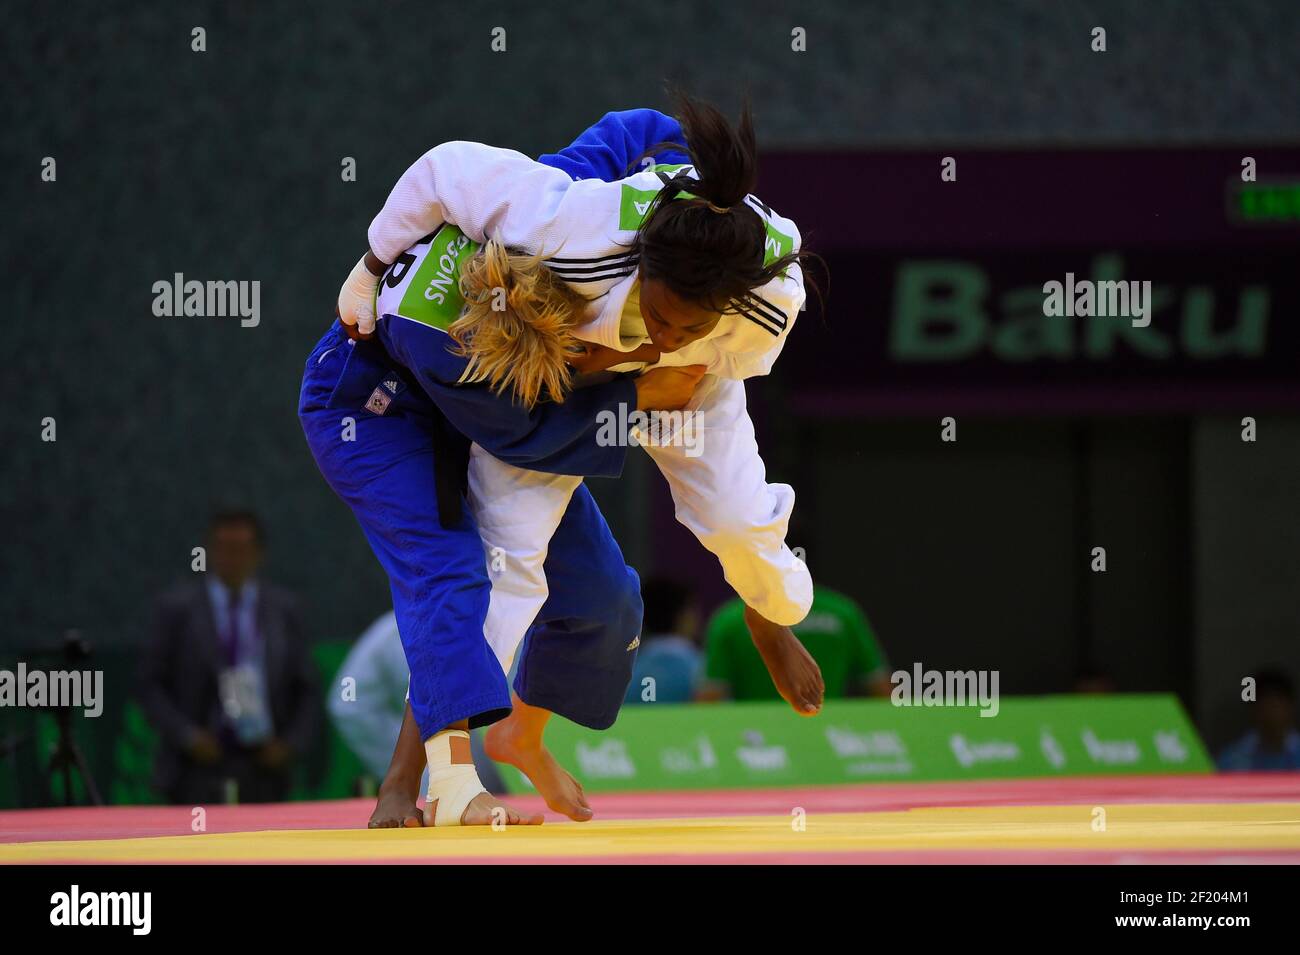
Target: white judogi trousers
[720,494]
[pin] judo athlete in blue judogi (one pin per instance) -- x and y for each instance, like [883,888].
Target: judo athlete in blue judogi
[389,423]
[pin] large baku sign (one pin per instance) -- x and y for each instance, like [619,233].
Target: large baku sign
[1085,281]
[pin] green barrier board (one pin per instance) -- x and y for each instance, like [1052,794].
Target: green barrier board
[740,745]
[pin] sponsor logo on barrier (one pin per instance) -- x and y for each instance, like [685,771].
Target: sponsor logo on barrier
[606,760]
[1119,752]
[971,752]
[1051,749]
[760,757]
[684,760]
[878,753]
[1170,747]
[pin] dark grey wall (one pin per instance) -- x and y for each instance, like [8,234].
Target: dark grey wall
[964,555]
[225,165]
[978,553]
[1246,519]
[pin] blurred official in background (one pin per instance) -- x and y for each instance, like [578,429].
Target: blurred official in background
[226,678]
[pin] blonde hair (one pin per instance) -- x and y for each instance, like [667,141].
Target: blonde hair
[515,328]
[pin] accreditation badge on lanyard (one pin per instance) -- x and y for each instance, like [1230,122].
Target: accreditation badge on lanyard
[242,682]
[243,699]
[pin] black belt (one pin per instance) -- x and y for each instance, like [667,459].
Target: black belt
[450,470]
[450,447]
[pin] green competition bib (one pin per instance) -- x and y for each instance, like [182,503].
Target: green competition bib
[635,203]
[423,284]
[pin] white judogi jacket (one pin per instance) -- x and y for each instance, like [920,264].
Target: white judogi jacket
[585,228]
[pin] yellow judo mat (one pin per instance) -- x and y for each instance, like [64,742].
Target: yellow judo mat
[1259,831]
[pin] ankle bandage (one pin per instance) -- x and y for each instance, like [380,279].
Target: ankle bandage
[452,786]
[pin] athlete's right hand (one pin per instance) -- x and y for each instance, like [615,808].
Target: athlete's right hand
[357,297]
[667,389]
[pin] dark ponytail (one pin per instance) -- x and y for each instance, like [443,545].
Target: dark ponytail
[701,236]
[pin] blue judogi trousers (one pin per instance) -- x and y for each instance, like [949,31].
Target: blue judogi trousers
[577,658]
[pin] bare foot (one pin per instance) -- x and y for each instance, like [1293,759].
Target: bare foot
[794,672]
[506,743]
[486,810]
[396,809]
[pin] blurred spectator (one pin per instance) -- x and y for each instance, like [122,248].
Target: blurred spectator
[370,716]
[836,633]
[227,679]
[1274,743]
[669,653]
